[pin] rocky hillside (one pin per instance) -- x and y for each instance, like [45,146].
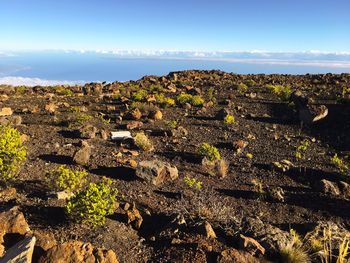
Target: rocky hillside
[195,166]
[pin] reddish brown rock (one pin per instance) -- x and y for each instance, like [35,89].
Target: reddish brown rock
[77,252]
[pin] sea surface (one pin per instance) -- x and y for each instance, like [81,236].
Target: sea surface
[78,67]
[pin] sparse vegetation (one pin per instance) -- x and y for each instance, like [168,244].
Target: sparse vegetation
[184,98]
[283,92]
[209,151]
[140,95]
[242,88]
[301,149]
[143,142]
[12,152]
[91,205]
[65,179]
[192,183]
[229,120]
[340,164]
[172,124]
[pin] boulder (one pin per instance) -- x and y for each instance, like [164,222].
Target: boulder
[251,245]
[44,239]
[134,217]
[209,231]
[8,194]
[271,238]
[87,132]
[156,171]
[327,187]
[51,108]
[12,222]
[134,125]
[13,120]
[77,252]
[21,252]
[6,111]
[134,114]
[82,156]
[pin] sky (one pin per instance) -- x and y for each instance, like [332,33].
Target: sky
[220,25]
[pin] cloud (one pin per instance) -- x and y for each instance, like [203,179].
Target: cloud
[22,81]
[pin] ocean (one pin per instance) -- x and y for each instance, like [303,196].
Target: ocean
[35,68]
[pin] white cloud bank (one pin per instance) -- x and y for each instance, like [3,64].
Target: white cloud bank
[30,82]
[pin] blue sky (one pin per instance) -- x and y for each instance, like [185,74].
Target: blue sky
[221,25]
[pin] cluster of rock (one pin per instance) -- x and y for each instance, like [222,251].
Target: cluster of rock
[24,245]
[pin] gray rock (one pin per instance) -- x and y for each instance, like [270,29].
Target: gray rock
[21,252]
[87,132]
[82,156]
[327,187]
[156,172]
[13,120]
[270,237]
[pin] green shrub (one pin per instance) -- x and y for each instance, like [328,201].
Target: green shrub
[143,142]
[184,98]
[164,101]
[250,83]
[340,164]
[301,149]
[192,182]
[91,205]
[229,119]
[12,152]
[197,101]
[172,124]
[82,118]
[140,95]
[282,92]
[156,88]
[20,89]
[65,179]
[210,152]
[242,88]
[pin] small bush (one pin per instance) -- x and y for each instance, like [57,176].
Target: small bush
[210,152]
[184,98]
[143,142]
[294,254]
[172,124]
[156,88]
[91,205]
[250,83]
[242,88]
[12,152]
[164,101]
[281,91]
[82,118]
[140,95]
[301,149]
[20,89]
[192,182]
[197,101]
[229,119]
[339,163]
[65,179]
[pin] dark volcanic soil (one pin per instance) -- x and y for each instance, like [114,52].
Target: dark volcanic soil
[269,125]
